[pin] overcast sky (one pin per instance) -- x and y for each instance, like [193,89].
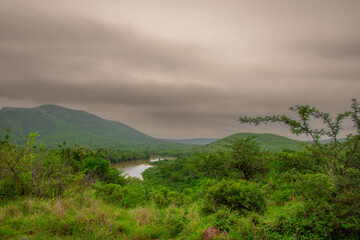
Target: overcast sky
[181,69]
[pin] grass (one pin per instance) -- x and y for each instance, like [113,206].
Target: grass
[86,217]
[83,216]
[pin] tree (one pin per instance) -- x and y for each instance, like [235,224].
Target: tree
[338,159]
[246,156]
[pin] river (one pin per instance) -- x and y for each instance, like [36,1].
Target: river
[135,168]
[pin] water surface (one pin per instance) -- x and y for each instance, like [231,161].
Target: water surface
[135,168]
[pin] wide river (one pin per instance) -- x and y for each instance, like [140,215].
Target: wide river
[135,168]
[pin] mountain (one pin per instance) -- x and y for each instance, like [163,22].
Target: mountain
[193,141]
[56,124]
[267,141]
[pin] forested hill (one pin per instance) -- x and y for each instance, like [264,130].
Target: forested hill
[56,124]
[267,141]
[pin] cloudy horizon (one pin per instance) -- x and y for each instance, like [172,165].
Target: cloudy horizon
[181,69]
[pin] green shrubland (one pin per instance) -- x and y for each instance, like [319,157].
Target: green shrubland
[244,190]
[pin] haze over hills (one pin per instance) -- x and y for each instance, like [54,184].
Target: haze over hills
[194,141]
[56,124]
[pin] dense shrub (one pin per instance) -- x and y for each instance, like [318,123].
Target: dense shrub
[224,219]
[114,176]
[294,185]
[287,160]
[163,196]
[113,193]
[175,220]
[96,166]
[241,196]
[132,194]
[315,187]
[312,220]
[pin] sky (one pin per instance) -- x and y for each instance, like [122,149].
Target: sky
[181,69]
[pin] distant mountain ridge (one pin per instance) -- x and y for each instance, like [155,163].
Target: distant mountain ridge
[193,141]
[56,124]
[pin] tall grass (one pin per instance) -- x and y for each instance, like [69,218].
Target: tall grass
[83,216]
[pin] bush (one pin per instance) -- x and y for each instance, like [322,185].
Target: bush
[131,195]
[135,194]
[292,185]
[314,220]
[110,192]
[314,187]
[96,166]
[163,196]
[115,176]
[241,196]
[224,219]
[175,220]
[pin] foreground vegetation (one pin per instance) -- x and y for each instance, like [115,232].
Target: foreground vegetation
[244,190]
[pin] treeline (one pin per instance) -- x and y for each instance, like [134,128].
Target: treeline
[31,170]
[115,156]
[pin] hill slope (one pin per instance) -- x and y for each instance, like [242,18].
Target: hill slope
[56,124]
[267,141]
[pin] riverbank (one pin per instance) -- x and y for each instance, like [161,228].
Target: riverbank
[135,168]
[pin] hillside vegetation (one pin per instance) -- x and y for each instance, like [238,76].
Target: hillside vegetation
[56,124]
[241,189]
[267,141]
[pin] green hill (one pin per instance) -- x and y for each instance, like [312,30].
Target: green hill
[56,124]
[267,141]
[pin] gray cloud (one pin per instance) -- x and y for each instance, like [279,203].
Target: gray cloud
[339,49]
[127,91]
[31,39]
[189,77]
